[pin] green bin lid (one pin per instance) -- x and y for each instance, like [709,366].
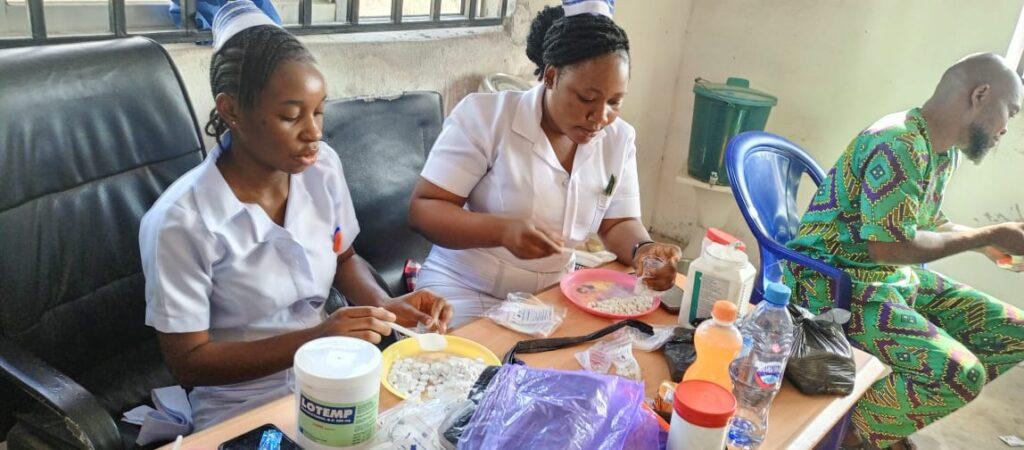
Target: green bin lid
[736,91]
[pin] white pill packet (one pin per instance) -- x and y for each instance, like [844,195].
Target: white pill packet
[527,314]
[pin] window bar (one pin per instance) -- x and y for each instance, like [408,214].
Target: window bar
[396,11]
[188,16]
[435,10]
[462,8]
[472,9]
[305,12]
[36,18]
[117,20]
[353,12]
[341,10]
[504,9]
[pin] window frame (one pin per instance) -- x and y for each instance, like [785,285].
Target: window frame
[346,18]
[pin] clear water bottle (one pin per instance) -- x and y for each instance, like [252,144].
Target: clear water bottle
[757,371]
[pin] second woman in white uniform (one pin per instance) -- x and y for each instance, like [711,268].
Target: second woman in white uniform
[515,178]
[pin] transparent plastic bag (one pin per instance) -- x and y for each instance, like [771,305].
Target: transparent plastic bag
[651,342]
[414,425]
[614,352]
[543,409]
[526,314]
[650,264]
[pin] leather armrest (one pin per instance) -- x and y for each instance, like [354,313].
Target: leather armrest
[84,415]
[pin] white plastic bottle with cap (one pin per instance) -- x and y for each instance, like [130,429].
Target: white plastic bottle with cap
[721,273]
[337,389]
[717,236]
[700,416]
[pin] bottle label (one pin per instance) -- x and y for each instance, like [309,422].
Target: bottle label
[707,289]
[337,424]
[769,374]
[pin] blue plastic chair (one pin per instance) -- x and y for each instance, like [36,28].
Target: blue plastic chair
[765,171]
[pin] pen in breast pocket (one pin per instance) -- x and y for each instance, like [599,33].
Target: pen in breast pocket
[337,239]
[610,187]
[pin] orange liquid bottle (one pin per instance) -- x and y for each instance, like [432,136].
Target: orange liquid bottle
[717,342]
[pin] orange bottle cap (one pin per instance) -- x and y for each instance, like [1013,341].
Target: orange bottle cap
[725,311]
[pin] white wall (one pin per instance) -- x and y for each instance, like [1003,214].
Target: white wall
[836,66]
[453,62]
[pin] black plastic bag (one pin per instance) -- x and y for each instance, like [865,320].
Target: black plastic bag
[680,352]
[822,359]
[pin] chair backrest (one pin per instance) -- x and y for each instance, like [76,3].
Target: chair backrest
[90,135]
[765,172]
[383,144]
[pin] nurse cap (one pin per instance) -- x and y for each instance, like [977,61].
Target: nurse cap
[597,7]
[234,17]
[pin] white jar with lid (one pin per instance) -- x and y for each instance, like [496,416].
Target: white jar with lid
[717,236]
[337,390]
[721,273]
[700,416]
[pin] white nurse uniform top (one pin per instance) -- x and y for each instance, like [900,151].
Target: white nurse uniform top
[493,152]
[214,263]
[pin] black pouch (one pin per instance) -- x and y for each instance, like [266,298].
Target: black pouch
[680,352]
[822,358]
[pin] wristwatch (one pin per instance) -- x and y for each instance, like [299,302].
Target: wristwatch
[640,244]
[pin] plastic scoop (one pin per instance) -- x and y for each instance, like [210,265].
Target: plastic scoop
[431,342]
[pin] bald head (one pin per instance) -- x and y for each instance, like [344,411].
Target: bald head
[976,70]
[973,103]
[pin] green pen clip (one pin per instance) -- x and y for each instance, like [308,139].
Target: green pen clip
[611,186]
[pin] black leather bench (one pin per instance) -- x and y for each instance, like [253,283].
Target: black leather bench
[90,135]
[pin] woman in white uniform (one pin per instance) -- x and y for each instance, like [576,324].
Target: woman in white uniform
[515,177]
[241,252]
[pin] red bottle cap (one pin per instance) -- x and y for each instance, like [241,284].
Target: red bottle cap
[704,403]
[720,237]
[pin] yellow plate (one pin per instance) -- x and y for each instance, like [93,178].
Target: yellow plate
[409,347]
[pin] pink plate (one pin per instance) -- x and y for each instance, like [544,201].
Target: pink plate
[587,285]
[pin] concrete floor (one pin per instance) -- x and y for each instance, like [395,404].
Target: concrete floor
[999,411]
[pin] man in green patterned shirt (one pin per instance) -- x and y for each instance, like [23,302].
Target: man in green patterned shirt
[878,217]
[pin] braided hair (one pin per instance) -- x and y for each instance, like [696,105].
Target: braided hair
[560,41]
[244,64]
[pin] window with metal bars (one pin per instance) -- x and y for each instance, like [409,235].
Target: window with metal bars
[34,22]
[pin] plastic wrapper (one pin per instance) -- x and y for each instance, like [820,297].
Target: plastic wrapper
[822,359]
[453,425]
[526,314]
[680,352]
[414,425]
[617,352]
[650,342]
[540,409]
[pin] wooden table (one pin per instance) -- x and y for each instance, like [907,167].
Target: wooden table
[796,421]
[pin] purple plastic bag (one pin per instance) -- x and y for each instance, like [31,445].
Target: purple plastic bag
[540,409]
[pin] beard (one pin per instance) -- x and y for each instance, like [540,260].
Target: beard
[979,143]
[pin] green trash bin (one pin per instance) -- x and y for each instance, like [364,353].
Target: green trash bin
[721,111]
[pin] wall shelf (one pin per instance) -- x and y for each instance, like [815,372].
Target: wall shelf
[685,178]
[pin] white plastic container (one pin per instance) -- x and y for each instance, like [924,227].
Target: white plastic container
[700,416]
[717,236]
[721,273]
[337,388]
